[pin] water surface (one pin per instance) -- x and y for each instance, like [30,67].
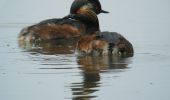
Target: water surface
[54,72]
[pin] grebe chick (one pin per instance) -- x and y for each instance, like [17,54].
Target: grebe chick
[105,43]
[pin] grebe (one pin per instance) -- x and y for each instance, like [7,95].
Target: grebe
[93,4]
[105,43]
[81,20]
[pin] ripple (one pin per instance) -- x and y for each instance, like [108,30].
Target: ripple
[83,97]
[45,73]
[57,68]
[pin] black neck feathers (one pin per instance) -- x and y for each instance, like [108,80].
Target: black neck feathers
[88,17]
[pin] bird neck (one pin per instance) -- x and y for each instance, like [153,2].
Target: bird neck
[89,18]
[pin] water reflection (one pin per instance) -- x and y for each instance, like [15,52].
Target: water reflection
[102,63]
[83,90]
[91,67]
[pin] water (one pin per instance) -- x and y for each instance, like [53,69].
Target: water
[57,73]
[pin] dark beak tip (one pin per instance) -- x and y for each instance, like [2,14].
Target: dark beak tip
[103,11]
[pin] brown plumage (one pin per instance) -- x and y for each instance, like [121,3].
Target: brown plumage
[82,20]
[104,43]
[71,26]
[56,31]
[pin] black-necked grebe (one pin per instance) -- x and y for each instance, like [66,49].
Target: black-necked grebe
[73,25]
[81,20]
[104,43]
[94,5]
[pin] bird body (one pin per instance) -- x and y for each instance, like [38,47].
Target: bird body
[105,43]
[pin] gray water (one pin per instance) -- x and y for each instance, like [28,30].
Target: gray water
[57,73]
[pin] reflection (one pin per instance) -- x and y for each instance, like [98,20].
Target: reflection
[91,68]
[66,46]
[102,63]
[84,89]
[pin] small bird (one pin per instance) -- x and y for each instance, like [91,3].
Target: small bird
[105,43]
[81,20]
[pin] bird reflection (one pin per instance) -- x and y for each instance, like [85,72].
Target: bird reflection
[91,68]
[84,89]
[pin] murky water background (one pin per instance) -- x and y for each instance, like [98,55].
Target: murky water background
[46,73]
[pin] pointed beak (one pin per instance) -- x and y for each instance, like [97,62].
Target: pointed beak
[103,11]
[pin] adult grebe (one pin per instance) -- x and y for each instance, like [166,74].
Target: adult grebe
[80,21]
